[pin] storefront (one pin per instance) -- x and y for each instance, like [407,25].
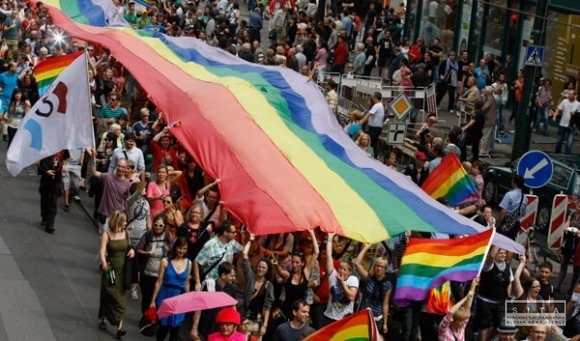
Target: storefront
[502,28]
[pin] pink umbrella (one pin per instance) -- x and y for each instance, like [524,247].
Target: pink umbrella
[194,301]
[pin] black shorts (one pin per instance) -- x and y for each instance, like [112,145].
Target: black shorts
[489,314]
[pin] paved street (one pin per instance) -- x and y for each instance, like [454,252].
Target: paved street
[50,283]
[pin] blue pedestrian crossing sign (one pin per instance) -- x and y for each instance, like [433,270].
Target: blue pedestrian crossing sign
[534,56]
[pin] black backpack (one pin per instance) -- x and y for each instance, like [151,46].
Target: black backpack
[569,244]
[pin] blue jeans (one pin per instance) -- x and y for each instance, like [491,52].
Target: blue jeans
[568,134]
[436,74]
[501,119]
[541,117]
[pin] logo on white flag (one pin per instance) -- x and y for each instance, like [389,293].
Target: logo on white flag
[45,110]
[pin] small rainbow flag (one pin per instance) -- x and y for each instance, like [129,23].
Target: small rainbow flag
[356,327]
[428,263]
[145,3]
[48,70]
[450,181]
[439,300]
[277,313]
[313,71]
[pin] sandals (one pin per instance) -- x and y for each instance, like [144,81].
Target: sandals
[103,325]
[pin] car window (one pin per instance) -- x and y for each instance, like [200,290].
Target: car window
[561,176]
[576,189]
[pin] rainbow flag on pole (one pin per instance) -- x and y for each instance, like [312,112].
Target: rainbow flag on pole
[428,263]
[450,181]
[356,327]
[48,70]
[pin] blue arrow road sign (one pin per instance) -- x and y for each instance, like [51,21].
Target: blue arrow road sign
[536,167]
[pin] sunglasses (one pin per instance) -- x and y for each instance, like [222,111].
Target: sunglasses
[168,201]
[159,225]
[371,250]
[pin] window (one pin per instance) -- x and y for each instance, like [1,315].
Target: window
[561,176]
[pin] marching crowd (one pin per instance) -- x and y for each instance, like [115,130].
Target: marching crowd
[165,231]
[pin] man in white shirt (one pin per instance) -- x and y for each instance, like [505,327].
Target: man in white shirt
[568,109]
[374,119]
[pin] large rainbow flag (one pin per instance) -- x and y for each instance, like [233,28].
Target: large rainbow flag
[428,263]
[269,135]
[48,70]
[450,181]
[356,327]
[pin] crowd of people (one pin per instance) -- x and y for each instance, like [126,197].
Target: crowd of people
[165,230]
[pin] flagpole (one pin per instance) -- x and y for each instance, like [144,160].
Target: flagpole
[87,61]
[486,251]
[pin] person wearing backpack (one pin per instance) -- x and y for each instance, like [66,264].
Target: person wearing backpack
[568,249]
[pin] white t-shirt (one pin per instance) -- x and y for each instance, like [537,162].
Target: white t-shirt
[377,115]
[433,9]
[337,306]
[566,108]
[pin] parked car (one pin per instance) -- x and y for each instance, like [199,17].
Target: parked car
[565,180]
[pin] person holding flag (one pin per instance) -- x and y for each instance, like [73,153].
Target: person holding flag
[65,106]
[50,170]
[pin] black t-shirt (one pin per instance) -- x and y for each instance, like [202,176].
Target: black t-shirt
[477,128]
[429,66]
[420,79]
[546,291]
[371,14]
[386,49]
[435,49]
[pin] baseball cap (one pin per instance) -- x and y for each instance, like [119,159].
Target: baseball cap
[420,156]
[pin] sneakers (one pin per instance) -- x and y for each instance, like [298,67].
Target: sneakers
[77,198]
[134,294]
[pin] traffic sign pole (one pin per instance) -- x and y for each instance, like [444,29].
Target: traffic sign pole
[523,133]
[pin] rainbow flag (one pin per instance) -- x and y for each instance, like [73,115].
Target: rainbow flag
[450,181]
[273,114]
[48,70]
[144,3]
[439,300]
[277,314]
[428,263]
[356,327]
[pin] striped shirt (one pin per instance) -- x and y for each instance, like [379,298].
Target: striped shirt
[446,334]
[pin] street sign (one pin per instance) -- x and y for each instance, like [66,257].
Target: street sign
[401,106]
[536,167]
[397,133]
[534,56]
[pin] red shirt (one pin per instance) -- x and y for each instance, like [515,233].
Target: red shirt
[323,291]
[340,54]
[158,155]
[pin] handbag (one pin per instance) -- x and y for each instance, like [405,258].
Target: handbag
[512,220]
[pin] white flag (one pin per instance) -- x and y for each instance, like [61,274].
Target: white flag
[60,119]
